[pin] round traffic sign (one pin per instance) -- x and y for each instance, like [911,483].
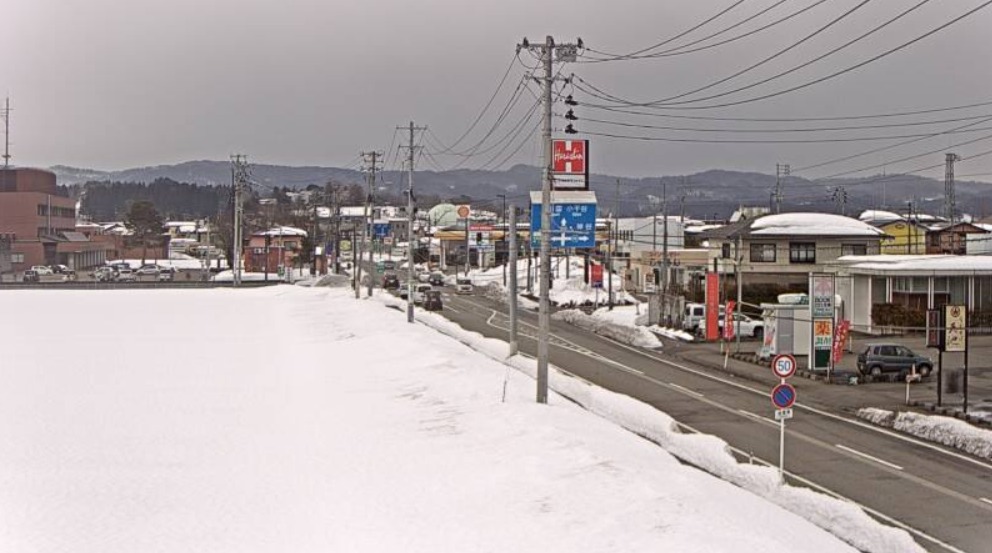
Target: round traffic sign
[783,396]
[464,211]
[784,365]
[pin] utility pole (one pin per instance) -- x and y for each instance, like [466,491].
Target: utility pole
[950,203]
[372,160]
[240,173]
[6,133]
[547,51]
[664,254]
[512,298]
[503,217]
[410,202]
[614,234]
[781,170]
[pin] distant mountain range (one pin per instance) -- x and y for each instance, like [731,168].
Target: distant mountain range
[709,194]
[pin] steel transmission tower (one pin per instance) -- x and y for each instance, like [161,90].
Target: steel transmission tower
[950,203]
[240,174]
[781,170]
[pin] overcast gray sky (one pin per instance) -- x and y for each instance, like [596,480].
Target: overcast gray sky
[111,84]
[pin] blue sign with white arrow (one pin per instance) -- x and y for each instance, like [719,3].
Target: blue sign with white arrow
[573,225]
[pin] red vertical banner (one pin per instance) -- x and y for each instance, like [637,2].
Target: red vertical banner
[728,320]
[840,338]
[712,306]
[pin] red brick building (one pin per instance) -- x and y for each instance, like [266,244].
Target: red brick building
[43,224]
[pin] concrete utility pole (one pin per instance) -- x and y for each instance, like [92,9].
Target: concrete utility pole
[781,170]
[410,203]
[240,173]
[372,158]
[503,217]
[950,203]
[614,234]
[664,252]
[547,51]
[6,133]
[512,299]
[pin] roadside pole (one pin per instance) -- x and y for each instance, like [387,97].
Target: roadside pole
[783,397]
[512,295]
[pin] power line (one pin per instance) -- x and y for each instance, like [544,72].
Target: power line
[820,79]
[674,38]
[768,141]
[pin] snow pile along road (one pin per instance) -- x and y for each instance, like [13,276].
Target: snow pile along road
[943,430]
[631,335]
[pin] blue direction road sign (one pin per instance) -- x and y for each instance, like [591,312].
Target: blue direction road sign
[783,396]
[380,230]
[573,225]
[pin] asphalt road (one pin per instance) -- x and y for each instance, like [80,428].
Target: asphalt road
[943,497]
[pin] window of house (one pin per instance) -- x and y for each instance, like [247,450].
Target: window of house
[854,249]
[802,252]
[725,250]
[762,253]
[17,258]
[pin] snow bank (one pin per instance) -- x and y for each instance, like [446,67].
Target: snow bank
[672,333]
[839,517]
[497,292]
[632,335]
[935,428]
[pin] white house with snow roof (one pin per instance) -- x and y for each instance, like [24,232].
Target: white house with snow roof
[784,248]
[916,282]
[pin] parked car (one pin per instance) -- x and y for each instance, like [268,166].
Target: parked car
[390,281]
[743,325]
[880,358]
[432,300]
[31,275]
[42,270]
[63,270]
[148,269]
[389,265]
[167,274]
[693,314]
[105,273]
[436,278]
[125,275]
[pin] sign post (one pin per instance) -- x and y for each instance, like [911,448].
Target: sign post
[783,397]
[956,339]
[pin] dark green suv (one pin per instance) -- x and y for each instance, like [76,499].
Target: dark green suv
[884,358]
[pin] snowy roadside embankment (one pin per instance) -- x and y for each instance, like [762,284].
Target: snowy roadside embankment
[631,335]
[943,430]
[841,518]
[497,292]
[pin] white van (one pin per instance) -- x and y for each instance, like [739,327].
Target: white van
[693,314]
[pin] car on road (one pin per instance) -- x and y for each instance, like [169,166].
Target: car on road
[105,273]
[463,286]
[432,301]
[31,275]
[879,358]
[390,281]
[743,325]
[389,265]
[436,278]
[420,293]
[69,274]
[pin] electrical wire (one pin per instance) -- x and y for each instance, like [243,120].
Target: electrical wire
[770,140]
[674,38]
[820,79]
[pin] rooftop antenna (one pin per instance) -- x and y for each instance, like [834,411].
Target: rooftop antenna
[6,133]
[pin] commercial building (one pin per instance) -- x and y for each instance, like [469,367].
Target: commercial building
[42,223]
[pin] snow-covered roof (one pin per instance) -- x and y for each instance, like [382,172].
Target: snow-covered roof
[695,229]
[566,197]
[877,216]
[282,231]
[918,264]
[811,224]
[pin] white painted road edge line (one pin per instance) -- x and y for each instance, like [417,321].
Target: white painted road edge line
[866,456]
[684,389]
[828,491]
[986,500]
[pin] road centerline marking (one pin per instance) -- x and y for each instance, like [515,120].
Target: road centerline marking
[684,389]
[867,456]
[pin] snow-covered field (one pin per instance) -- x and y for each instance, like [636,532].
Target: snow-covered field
[300,419]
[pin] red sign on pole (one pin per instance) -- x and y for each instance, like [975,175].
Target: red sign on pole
[596,275]
[712,306]
[728,321]
[569,157]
